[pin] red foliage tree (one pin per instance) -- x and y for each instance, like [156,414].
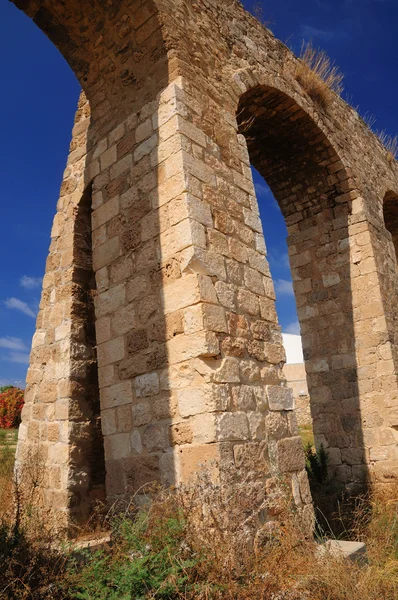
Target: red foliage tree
[11,403]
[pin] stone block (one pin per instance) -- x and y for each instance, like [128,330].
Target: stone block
[204,429]
[141,414]
[203,399]
[199,458]
[155,438]
[232,427]
[141,471]
[279,398]
[184,347]
[116,395]
[290,455]
[147,385]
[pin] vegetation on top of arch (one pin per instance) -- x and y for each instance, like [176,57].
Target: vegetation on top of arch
[318,75]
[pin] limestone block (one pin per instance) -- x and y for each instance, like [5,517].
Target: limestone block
[279,398]
[254,281]
[143,131]
[117,133]
[111,351]
[252,220]
[145,147]
[105,212]
[267,308]
[108,421]
[155,438]
[218,242]
[205,262]
[123,419]
[137,287]
[204,428]
[105,254]
[225,294]
[187,206]
[116,395]
[243,398]
[141,471]
[185,233]
[204,316]
[233,427]
[135,441]
[141,414]
[181,433]
[103,329]
[249,371]
[179,376]
[184,347]
[147,385]
[123,320]
[187,291]
[274,353]
[290,455]
[198,400]
[108,157]
[256,426]
[58,452]
[276,425]
[196,458]
[248,302]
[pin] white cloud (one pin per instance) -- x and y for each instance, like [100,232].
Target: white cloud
[30,283]
[279,260]
[21,358]
[12,343]
[264,192]
[314,32]
[293,328]
[293,347]
[284,287]
[20,305]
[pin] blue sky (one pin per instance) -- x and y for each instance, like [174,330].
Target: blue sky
[36,112]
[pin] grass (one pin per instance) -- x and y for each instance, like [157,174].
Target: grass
[318,75]
[390,143]
[8,437]
[178,547]
[307,435]
[8,440]
[201,543]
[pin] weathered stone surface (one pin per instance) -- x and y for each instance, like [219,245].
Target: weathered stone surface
[279,398]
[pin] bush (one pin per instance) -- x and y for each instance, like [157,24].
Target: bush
[11,403]
[316,464]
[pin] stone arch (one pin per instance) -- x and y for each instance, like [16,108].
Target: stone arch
[311,185]
[110,47]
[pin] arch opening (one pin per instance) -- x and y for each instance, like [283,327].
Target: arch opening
[308,180]
[390,214]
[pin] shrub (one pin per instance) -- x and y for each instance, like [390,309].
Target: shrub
[318,75]
[11,403]
[316,463]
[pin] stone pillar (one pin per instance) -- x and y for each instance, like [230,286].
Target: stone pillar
[60,449]
[189,350]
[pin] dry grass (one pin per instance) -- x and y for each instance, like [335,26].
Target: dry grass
[258,13]
[207,542]
[390,143]
[318,75]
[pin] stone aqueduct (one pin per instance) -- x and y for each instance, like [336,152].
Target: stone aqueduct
[157,347]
